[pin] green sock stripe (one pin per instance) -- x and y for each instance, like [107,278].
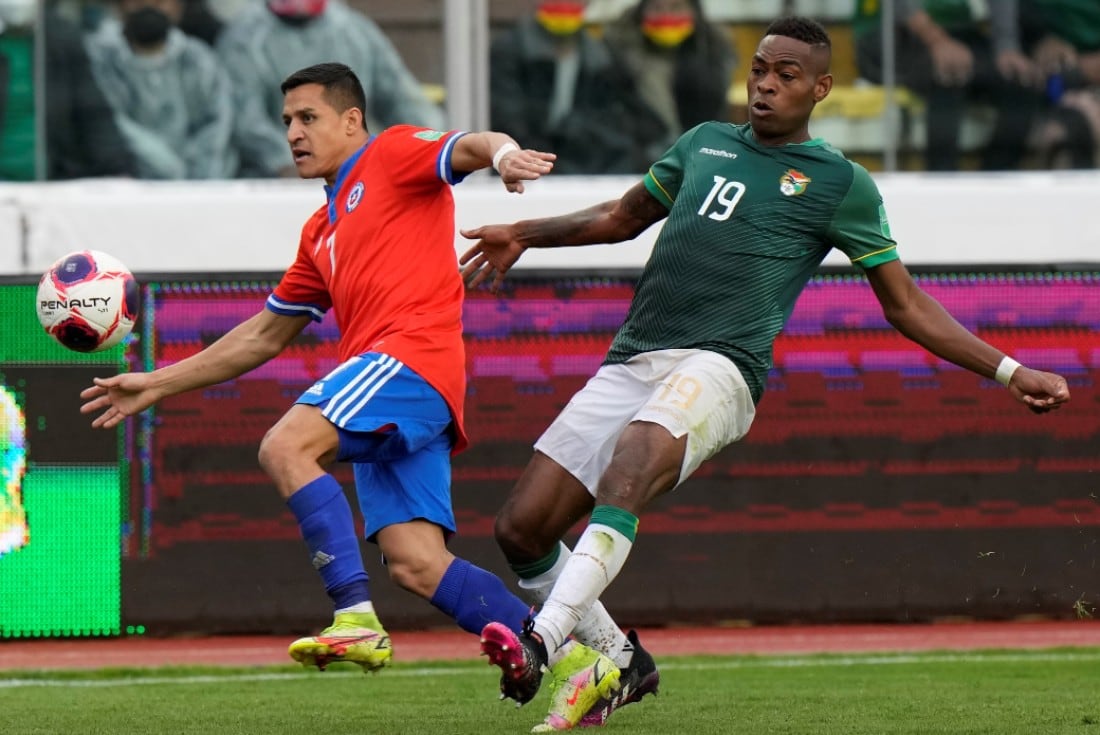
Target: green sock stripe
[621,520]
[535,568]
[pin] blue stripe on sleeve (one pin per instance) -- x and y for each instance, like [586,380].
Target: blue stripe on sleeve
[443,163]
[286,308]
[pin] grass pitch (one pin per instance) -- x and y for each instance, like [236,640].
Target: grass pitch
[995,692]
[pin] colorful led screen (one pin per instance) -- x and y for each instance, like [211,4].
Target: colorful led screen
[63,483]
[864,443]
[877,482]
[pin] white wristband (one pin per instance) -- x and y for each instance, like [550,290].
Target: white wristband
[1005,370]
[501,153]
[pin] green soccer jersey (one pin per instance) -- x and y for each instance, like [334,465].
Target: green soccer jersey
[748,226]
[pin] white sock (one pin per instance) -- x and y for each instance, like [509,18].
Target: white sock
[538,587]
[597,629]
[359,607]
[596,560]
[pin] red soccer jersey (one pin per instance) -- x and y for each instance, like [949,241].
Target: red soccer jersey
[381,255]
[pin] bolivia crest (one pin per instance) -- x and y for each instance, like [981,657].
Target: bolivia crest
[792,182]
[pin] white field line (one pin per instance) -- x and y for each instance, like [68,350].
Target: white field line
[718,665]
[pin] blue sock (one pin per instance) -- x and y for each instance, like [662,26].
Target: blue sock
[328,528]
[474,597]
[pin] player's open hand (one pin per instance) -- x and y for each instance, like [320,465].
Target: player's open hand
[1039,391]
[522,165]
[495,251]
[117,397]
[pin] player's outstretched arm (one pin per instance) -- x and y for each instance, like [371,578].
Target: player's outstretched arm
[924,320]
[515,165]
[498,247]
[248,345]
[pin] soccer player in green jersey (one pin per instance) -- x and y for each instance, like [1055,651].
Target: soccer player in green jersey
[752,211]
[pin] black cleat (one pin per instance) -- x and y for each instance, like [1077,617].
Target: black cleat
[639,678]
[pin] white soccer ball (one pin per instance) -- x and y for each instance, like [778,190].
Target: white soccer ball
[88,301]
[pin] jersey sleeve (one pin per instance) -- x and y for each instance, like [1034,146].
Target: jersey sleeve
[664,177]
[859,227]
[419,157]
[301,291]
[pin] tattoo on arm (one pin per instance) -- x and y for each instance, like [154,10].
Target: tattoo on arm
[613,221]
[582,227]
[639,205]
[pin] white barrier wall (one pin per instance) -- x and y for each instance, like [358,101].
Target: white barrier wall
[11,235]
[253,226]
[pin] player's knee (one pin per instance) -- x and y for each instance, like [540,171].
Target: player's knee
[278,451]
[298,445]
[268,454]
[519,540]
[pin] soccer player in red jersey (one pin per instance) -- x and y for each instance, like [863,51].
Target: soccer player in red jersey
[380,254]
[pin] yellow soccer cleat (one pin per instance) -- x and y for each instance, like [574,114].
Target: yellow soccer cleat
[357,638]
[582,678]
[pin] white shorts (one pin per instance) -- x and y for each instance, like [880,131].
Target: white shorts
[693,392]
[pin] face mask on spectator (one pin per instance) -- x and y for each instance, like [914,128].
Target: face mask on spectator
[146,26]
[297,12]
[668,30]
[560,18]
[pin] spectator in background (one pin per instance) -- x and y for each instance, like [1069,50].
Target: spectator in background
[559,88]
[171,97]
[17,127]
[82,138]
[227,10]
[682,66]
[1065,37]
[199,21]
[266,42]
[951,58]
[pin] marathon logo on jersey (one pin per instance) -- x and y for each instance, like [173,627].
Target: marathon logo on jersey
[355,197]
[718,152]
[792,182]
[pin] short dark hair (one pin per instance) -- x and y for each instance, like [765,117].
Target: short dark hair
[342,88]
[802,29]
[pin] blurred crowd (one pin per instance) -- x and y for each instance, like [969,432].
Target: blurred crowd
[189,89]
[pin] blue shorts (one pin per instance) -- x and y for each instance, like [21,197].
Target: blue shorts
[396,430]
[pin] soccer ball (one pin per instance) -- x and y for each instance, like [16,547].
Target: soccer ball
[88,301]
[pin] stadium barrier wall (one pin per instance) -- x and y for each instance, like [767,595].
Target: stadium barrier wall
[253,226]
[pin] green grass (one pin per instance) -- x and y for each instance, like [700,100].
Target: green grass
[995,692]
